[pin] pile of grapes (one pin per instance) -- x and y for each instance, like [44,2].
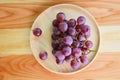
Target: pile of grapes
[70,40]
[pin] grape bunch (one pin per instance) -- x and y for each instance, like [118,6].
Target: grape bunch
[70,40]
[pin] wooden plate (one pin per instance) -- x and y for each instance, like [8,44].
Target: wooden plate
[43,43]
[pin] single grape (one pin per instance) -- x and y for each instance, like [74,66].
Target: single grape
[75,64]
[85,50]
[63,26]
[71,22]
[59,61]
[56,31]
[66,51]
[55,23]
[81,37]
[76,52]
[59,55]
[68,58]
[81,20]
[85,28]
[88,44]
[43,55]
[55,44]
[71,31]
[87,34]
[37,32]
[75,44]
[60,16]
[67,40]
[84,59]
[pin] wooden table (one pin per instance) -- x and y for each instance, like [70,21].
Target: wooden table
[16,59]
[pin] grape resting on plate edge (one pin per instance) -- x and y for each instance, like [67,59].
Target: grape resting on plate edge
[69,40]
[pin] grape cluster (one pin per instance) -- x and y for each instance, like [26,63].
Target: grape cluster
[70,40]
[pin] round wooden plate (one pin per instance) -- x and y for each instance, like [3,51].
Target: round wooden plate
[43,43]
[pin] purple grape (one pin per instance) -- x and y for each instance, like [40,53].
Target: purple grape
[71,31]
[76,52]
[81,37]
[43,55]
[68,58]
[85,28]
[67,40]
[59,55]
[88,44]
[37,32]
[75,44]
[56,31]
[81,20]
[75,64]
[85,50]
[55,23]
[63,26]
[59,61]
[60,16]
[67,51]
[71,23]
[87,34]
[55,44]
[84,59]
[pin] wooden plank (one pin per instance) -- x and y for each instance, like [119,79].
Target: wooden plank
[17,40]
[14,40]
[110,39]
[22,15]
[25,67]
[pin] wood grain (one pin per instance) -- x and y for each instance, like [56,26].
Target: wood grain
[25,67]
[18,43]
[22,15]
[14,41]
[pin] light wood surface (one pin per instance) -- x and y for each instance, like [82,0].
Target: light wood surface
[25,67]
[16,20]
[22,15]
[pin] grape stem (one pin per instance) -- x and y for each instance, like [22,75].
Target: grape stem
[89,52]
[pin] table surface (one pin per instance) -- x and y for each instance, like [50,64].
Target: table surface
[16,59]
